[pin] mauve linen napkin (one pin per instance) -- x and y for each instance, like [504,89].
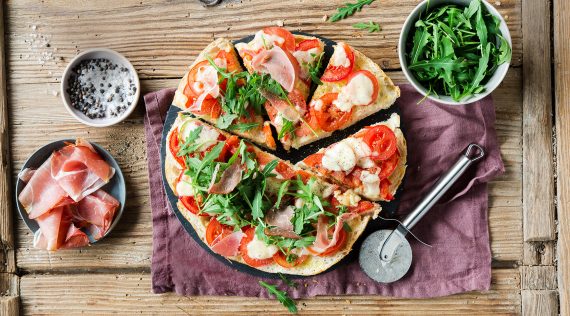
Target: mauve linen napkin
[458,260]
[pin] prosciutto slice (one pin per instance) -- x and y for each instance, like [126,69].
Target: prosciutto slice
[229,179]
[278,64]
[322,242]
[42,193]
[282,106]
[97,211]
[79,170]
[280,224]
[53,228]
[229,245]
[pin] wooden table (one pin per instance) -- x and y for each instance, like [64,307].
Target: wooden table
[529,210]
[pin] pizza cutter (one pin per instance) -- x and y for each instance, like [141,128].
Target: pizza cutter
[386,255]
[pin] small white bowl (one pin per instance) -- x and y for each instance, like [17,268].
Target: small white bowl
[117,59]
[491,84]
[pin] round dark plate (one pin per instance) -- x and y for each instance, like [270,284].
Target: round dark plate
[294,155]
[115,187]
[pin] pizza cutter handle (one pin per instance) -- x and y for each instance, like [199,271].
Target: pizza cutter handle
[473,153]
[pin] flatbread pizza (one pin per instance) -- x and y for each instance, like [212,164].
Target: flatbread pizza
[208,92]
[253,208]
[372,162]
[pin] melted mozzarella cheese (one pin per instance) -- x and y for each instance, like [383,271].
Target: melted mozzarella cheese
[318,105]
[361,151]
[207,80]
[306,56]
[339,157]
[358,91]
[183,187]
[207,136]
[348,198]
[339,58]
[257,249]
[262,40]
[371,183]
[299,202]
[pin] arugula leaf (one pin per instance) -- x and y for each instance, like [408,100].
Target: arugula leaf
[256,211]
[210,156]
[242,127]
[281,296]
[226,120]
[315,69]
[282,190]
[270,167]
[349,9]
[287,128]
[371,27]
[187,147]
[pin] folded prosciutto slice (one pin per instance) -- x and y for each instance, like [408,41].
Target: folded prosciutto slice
[79,169]
[42,193]
[65,199]
[97,211]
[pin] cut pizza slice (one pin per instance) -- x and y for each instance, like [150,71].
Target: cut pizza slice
[353,87]
[251,207]
[372,162]
[213,90]
[292,61]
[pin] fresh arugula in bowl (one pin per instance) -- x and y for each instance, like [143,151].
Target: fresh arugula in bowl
[455,50]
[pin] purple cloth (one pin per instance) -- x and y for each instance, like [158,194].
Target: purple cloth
[457,229]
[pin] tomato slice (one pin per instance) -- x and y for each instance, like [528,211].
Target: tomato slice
[281,260]
[307,44]
[284,170]
[341,241]
[269,140]
[174,146]
[389,165]
[314,160]
[337,73]
[382,141]
[249,233]
[190,203]
[289,39]
[385,190]
[374,83]
[362,207]
[329,117]
[232,63]
[194,88]
[216,229]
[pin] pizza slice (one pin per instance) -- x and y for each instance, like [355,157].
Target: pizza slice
[253,208]
[215,90]
[372,162]
[353,87]
[292,61]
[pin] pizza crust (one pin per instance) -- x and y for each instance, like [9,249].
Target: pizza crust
[387,95]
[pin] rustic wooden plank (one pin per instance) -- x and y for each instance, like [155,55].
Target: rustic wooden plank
[9,284]
[38,117]
[538,278]
[542,303]
[562,110]
[130,294]
[9,305]
[539,253]
[538,184]
[161,37]
[6,222]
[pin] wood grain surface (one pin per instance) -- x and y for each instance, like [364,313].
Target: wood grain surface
[128,294]
[562,109]
[161,38]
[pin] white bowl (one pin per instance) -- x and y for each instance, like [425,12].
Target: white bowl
[117,59]
[491,84]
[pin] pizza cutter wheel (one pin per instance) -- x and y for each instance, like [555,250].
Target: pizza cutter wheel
[386,255]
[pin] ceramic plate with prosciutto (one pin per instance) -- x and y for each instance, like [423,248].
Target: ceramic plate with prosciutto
[260,211]
[70,194]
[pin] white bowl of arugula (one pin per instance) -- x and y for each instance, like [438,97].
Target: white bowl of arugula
[455,51]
